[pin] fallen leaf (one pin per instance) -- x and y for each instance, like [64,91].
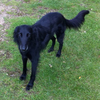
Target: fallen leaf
[50,65]
[80,77]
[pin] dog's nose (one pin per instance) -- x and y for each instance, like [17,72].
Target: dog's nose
[23,49]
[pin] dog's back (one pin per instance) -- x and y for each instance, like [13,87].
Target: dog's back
[51,19]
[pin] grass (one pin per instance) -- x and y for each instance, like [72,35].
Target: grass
[73,76]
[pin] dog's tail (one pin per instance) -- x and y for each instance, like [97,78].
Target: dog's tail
[77,21]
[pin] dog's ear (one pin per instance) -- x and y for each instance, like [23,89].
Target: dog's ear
[15,33]
[35,33]
[35,30]
[30,29]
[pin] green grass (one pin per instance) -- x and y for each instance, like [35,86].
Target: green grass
[73,76]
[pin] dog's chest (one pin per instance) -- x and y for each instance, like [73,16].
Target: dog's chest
[29,56]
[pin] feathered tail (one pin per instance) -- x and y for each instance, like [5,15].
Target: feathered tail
[77,21]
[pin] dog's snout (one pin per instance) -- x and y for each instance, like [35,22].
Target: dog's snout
[23,48]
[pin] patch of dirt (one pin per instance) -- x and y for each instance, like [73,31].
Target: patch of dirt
[3,12]
[7,12]
[3,26]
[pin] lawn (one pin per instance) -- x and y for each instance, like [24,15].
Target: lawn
[73,76]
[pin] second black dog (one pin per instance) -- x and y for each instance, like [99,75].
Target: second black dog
[32,39]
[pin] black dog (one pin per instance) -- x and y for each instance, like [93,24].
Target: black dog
[32,39]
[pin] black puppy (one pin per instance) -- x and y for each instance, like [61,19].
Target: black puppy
[32,39]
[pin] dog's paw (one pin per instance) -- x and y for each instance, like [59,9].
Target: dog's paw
[22,77]
[29,86]
[50,50]
[58,55]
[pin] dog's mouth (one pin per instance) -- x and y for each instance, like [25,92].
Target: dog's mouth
[23,48]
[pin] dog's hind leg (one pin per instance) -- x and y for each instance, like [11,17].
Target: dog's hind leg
[60,37]
[60,47]
[53,44]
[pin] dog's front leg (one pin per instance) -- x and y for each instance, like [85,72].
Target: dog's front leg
[23,76]
[33,74]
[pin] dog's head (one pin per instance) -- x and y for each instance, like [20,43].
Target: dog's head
[22,36]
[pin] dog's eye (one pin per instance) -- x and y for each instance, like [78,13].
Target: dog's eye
[28,35]
[20,34]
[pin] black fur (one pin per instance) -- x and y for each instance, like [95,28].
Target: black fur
[32,39]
